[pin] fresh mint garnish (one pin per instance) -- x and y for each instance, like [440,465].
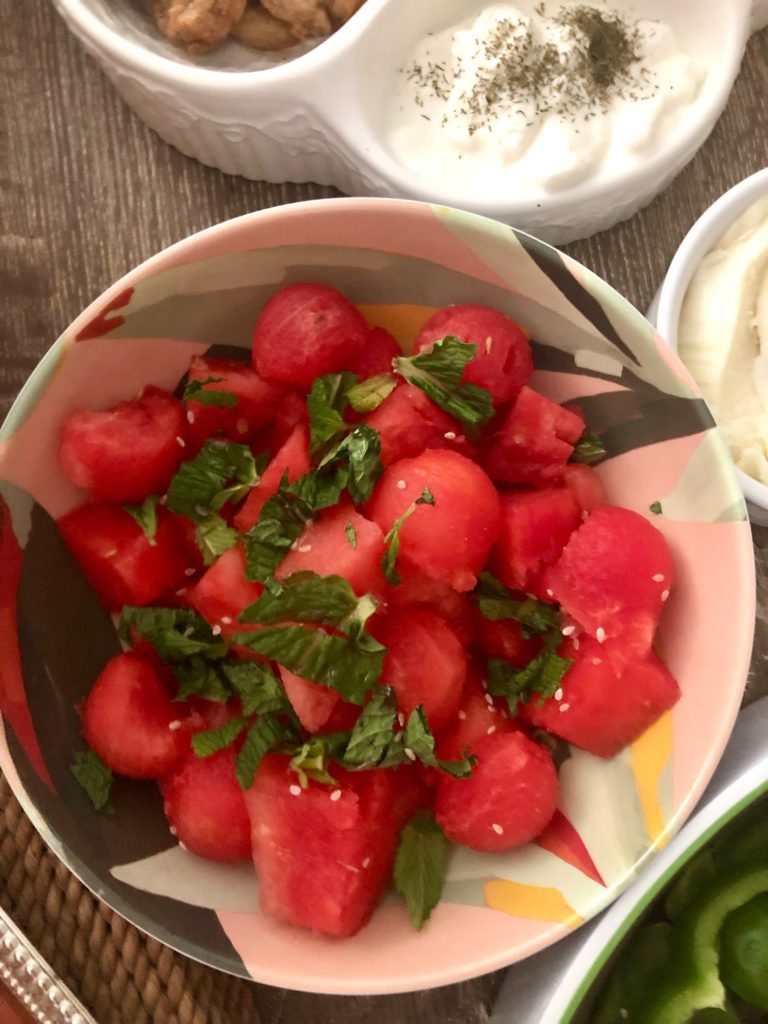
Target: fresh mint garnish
[145,515]
[326,403]
[589,449]
[541,677]
[392,539]
[495,603]
[94,777]
[197,391]
[220,472]
[419,873]
[267,733]
[369,394]
[214,536]
[212,741]
[175,633]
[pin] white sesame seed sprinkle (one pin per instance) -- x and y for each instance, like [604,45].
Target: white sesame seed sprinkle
[366,862]
[550,593]
[336,795]
[568,630]
[304,548]
[189,572]
[559,693]
[490,730]
[242,426]
[597,661]
[226,620]
[664,595]
[190,416]
[462,715]
[401,719]
[497,829]
[450,435]
[584,515]
[216,630]
[175,724]
[600,634]
[111,553]
[409,753]
[488,699]
[576,643]
[181,442]
[492,709]
[565,706]
[294,790]
[658,578]
[173,830]
[182,846]
[401,485]
[488,344]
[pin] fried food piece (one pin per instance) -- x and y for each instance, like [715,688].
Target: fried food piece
[305,17]
[197,25]
[342,10]
[262,30]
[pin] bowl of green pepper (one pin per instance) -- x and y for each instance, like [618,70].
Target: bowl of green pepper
[688,944]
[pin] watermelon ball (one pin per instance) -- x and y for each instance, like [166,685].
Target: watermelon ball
[450,539]
[508,799]
[502,363]
[304,331]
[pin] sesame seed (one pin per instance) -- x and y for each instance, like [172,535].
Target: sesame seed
[401,485]
[409,753]
[568,630]
[189,572]
[600,634]
[550,593]
[492,709]
[216,630]
[504,714]
[624,1013]
[664,595]
[336,795]
[597,661]
[366,862]
[658,578]
[181,593]
[497,829]
[462,715]
[182,846]
[450,435]
[181,442]
[111,553]
[488,699]
[173,830]
[242,426]
[401,719]
[559,693]
[488,343]
[304,548]
[190,416]
[226,620]
[564,707]
[490,730]
[584,515]
[576,643]
[176,724]
[294,790]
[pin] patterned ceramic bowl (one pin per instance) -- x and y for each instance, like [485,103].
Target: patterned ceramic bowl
[321,115]
[398,261]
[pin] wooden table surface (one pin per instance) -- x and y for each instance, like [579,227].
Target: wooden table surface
[87,192]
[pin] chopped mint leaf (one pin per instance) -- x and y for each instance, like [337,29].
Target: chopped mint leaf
[199,678]
[305,597]
[214,537]
[495,602]
[326,403]
[200,485]
[175,633]
[145,515]
[418,739]
[373,731]
[392,539]
[196,391]
[419,872]
[282,521]
[541,677]
[439,375]
[311,762]
[369,394]
[259,689]
[351,533]
[655,507]
[94,777]
[213,740]
[267,733]
[348,664]
[357,459]
[589,449]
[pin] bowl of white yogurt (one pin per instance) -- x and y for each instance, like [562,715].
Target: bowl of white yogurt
[560,117]
[712,308]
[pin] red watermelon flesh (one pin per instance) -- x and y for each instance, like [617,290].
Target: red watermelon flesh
[535,441]
[408,422]
[416,590]
[223,592]
[324,854]
[478,715]
[312,702]
[599,708]
[585,485]
[293,459]
[613,578]
[535,527]
[376,355]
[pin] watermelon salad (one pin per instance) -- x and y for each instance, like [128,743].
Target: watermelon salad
[362,597]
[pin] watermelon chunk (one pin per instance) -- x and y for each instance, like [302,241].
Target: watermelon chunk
[223,592]
[613,578]
[585,485]
[376,355]
[503,638]
[416,590]
[408,422]
[600,708]
[535,527]
[534,442]
[507,801]
[478,715]
[324,854]
[293,459]
[312,702]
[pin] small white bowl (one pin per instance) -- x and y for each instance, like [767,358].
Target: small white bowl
[702,237]
[320,116]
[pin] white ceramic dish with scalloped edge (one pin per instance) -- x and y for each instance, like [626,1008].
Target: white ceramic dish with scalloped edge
[320,115]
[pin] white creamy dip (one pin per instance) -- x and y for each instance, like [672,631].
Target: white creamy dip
[723,336]
[507,99]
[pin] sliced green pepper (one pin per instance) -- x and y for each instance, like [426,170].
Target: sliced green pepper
[744,951]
